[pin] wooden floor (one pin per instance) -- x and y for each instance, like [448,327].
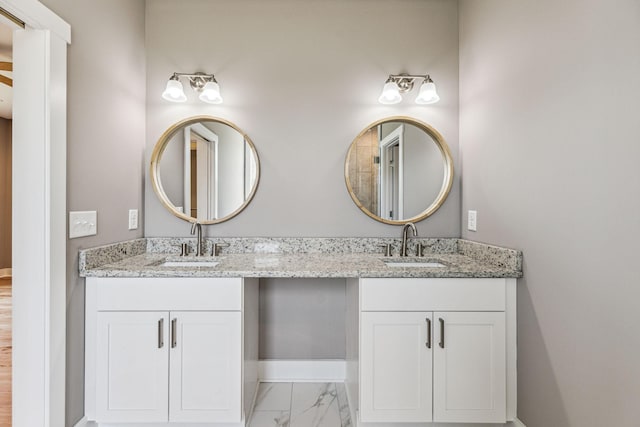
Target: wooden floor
[5,352]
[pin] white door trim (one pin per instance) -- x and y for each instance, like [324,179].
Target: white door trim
[395,137]
[39,215]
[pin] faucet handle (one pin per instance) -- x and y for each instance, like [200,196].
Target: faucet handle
[420,249]
[387,249]
[184,249]
[215,249]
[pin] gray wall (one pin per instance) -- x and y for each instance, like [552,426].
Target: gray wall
[302,79]
[302,319]
[105,148]
[550,148]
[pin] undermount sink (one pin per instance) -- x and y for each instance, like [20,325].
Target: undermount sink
[414,263]
[191,263]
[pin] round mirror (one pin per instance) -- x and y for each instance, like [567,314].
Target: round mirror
[205,170]
[399,170]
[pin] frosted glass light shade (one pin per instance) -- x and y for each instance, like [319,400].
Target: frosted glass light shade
[390,94]
[428,94]
[211,93]
[174,91]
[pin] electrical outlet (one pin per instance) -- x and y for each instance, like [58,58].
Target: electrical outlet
[133,219]
[84,223]
[472,220]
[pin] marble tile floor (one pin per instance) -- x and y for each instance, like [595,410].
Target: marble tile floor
[301,405]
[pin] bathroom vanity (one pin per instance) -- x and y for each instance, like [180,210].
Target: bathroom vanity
[172,340]
[171,344]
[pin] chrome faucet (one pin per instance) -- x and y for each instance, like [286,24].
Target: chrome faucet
[405,231]
[197,227]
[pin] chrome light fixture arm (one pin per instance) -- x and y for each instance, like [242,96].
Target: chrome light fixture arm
[205,84]
[402,83]
[196,80]
[405,81]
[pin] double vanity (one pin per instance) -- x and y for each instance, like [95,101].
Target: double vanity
[172,324]
[173,340]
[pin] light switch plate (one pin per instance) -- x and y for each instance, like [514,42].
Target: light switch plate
[472,220]
[83,223]
[133,219]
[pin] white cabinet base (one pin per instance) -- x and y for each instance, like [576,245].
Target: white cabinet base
[132,362]
[395,366]
[205,367]
[470,369]
[479,356]
[166,352]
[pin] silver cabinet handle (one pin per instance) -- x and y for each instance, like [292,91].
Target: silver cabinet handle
[160,333]
[428,332]
[174,333]
[441,332]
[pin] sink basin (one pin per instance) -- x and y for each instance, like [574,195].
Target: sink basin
[414,263]
[189,263]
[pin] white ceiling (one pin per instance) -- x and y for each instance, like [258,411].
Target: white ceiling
[6,55]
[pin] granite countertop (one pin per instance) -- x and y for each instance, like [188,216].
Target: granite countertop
[300,257]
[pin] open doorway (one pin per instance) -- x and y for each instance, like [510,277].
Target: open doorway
[6,103]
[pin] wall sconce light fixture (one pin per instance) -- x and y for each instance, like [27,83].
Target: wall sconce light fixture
[401,83]
[205,84]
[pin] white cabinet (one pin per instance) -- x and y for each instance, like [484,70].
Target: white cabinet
[162,351]
[395,366]
[428,354]
[132,380]
[469,370]
[205,367]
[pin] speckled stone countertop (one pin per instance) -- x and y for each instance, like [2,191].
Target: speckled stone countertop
[299,257]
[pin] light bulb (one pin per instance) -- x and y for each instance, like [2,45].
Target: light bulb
[428,94]
[390,93]
[211,93]
[174,91]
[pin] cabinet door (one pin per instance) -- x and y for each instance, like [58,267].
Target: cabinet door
[205,367]
[469,371]
[132,366]
[395,367]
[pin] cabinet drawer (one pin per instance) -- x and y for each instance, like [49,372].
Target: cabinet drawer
[164,294]
[397,294]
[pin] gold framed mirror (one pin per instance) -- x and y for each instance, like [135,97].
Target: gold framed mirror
[205,169]
[399,170]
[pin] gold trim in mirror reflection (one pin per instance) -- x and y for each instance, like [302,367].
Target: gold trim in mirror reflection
[447,180]
[154,171]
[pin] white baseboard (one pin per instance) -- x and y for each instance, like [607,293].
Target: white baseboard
[518,423]
[302,370]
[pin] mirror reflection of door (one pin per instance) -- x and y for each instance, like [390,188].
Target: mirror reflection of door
[201,171]
[392,174]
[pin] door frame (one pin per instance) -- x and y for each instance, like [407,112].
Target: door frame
[39,214]
[396,137]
